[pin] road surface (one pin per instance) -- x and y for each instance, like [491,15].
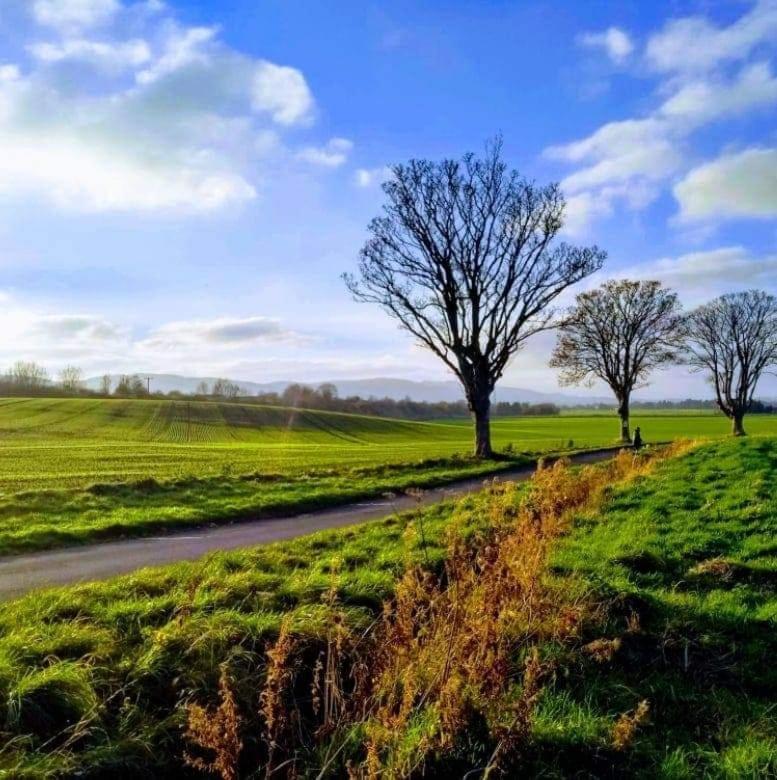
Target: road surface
[21,574]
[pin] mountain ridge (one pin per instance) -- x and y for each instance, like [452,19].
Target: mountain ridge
[378,387]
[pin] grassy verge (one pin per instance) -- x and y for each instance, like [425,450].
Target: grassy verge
[99,679]
[687,563]
[44,519]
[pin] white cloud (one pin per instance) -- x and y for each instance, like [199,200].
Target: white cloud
[282,92]
[702,100]
[170,119]
[83,327]
[225,332]
[9,72]
[742,184]
[629,162]
[72,15]
[80,176]
[370,177]
[119,55]
[332,155]
[613,40]
[695,44]
[701,276]
[182,48]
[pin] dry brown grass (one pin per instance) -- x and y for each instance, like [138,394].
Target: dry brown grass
[217,732]
[449,650]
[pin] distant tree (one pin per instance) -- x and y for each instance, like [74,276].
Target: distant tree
[734,339]
[71,379]
[297,395]
[327,393]
[130,385]
[105,384]
[28,376]
[619,333]
[138,387]
[123,386]
[464,258]
[202,388]
[223,388]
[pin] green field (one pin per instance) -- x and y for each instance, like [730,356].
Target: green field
[683,563]
[52,443]
[76,470]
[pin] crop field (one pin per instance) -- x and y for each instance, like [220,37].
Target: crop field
[80,470]
[57,443]
[671,673]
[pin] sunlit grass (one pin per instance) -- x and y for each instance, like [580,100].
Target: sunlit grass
[683,561]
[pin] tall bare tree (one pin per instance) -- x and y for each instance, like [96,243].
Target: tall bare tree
[71,378]
[619,333]
[734,339]
[464,258]
[28,376]
[105,384]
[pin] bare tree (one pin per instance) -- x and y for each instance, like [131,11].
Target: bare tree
[734,339]
[202,388]
[619,333]
[71,379]
[105,384]
[223,388]
[464,258]
[28,376]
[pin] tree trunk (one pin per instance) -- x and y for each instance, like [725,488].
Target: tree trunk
[737,427]
[481,412]
[623,413]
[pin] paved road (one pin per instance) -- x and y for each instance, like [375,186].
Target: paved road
[23,573]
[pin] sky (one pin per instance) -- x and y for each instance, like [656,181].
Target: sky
[182,183]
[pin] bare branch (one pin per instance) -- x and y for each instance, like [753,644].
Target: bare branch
[464,258]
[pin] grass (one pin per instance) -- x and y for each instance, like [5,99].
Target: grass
[687,561]
[683,562]
[80,470]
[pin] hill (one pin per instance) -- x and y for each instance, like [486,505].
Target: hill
[381,387]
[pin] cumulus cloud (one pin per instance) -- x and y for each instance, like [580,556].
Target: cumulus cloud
[74,15]
[629,162]
[371,177]
[700,276]
[742,184]
[83,327]
[615,42]
[282,92]
[332,155]
[114,55]
[701,100]
[695,44]
[225,332]
[168,119]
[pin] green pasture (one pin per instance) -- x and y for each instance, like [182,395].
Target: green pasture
[683,562]
[55,443]
[80,470]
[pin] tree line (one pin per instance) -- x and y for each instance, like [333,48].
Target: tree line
[466,257]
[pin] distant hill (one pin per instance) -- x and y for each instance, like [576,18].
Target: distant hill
[382,387]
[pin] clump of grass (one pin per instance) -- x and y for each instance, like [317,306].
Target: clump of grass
[50,704]
[625,729]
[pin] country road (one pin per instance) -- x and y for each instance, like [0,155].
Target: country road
[23,573]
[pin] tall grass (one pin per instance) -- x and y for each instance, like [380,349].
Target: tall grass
[451,667]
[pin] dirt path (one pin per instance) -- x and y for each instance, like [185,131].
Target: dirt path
[23,573]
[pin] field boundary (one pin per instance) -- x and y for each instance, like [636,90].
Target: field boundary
[20,574]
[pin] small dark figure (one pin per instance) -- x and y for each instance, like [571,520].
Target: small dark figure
[637,438]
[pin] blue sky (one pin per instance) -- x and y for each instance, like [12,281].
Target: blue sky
[182,183]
